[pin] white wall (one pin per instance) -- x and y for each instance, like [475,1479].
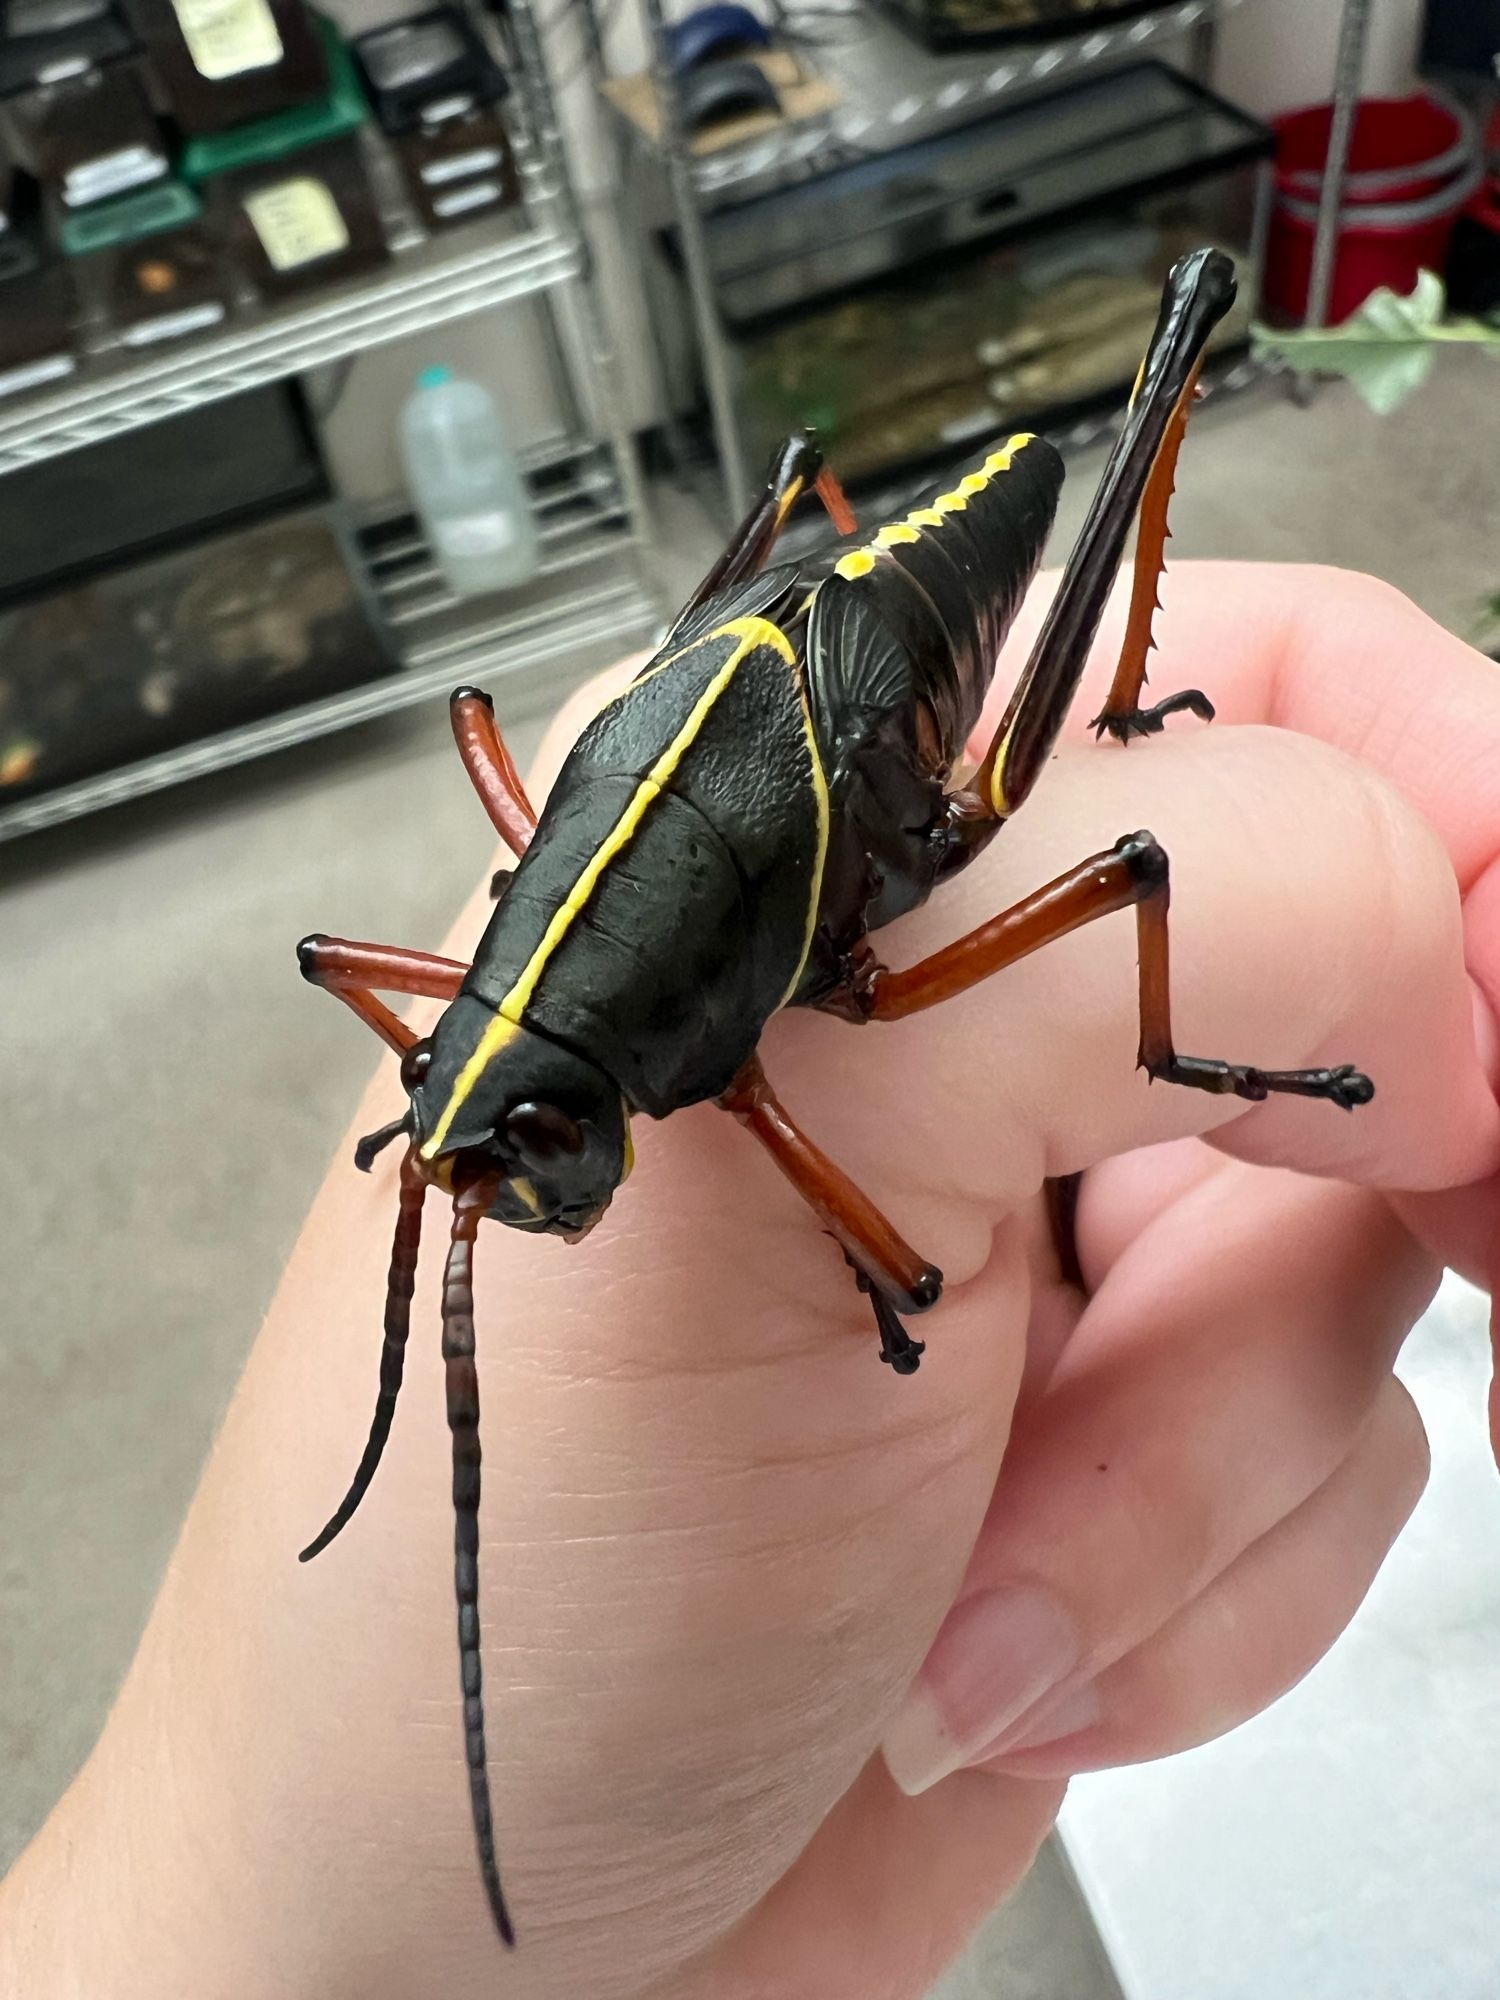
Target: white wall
[1277,54]
[1273,54]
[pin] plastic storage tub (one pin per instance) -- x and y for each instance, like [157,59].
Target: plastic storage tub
[1414,163]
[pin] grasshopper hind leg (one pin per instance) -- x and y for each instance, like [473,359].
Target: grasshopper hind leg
[1122,715]
[1136,721]
[1138,479]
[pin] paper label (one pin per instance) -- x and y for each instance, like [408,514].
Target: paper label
[192,319]
[459,200]
[298,222]
[228,37]
[475,534]
[458,166]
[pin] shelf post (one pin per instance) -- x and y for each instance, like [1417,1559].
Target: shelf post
[1348,75]
[580,322]
[681,181]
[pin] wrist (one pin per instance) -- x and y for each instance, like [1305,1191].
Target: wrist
[114,1899]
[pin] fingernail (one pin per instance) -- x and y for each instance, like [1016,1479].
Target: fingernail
[1486,1034]
[995,1658]
[1051,1722]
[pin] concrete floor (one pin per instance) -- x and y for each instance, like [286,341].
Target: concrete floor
[150,1198]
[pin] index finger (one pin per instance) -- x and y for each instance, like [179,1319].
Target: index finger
[1348,659]
[1332,654]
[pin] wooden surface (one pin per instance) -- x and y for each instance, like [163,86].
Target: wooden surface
[802,94]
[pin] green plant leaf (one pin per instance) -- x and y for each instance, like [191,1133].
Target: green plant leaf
[1386,349]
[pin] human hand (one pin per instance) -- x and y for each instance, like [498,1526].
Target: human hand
[720,1540]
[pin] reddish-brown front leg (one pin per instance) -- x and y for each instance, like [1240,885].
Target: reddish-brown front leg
[348,969]
[491,768]
[896,1278]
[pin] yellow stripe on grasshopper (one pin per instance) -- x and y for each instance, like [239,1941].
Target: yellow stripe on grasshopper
[527,1194]
[974,483]
[815,889]
[503,1029]
[860,562]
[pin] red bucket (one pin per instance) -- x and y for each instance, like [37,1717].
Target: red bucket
[1403,148]
[1413,164]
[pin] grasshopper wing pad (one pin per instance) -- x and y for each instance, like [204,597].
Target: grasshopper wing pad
[885,784]
[763,596]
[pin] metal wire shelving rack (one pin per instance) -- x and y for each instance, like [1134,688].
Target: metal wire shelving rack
[893,93]
[593,587]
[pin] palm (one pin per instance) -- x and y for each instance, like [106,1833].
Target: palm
[720,1540]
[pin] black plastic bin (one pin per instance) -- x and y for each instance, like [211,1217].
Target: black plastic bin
[144,657]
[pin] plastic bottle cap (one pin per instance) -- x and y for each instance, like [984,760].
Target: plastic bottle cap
[434,377]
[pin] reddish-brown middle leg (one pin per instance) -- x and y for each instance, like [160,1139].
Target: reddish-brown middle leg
[1132,874]
[491,768]
[896,1278]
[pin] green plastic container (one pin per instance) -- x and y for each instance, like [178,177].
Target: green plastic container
[339,112]
[147,212]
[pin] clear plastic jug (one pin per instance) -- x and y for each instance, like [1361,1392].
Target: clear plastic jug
[466,484]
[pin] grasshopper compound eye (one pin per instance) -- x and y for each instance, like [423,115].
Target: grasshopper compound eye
[542,1134]
[415,1065]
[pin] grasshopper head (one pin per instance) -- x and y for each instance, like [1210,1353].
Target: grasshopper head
[489,1097]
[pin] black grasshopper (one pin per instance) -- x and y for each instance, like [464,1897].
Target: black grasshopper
[773,786]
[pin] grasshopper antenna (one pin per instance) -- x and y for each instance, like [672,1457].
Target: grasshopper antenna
[398,1291]
[462,1382]
[375,1143]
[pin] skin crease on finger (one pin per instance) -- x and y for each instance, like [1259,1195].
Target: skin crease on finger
[704,1498]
